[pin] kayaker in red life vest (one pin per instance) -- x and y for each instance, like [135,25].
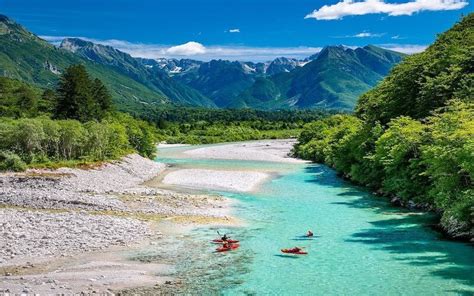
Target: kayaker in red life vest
[309,234]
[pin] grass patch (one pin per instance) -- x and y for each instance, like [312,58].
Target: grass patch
[149,217]
[81,164]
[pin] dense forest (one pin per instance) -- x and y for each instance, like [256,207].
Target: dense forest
[204,126]
[412,137]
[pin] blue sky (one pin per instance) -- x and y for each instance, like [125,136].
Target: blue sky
[239,29]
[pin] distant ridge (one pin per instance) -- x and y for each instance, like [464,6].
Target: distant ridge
[335,78]
[152,77]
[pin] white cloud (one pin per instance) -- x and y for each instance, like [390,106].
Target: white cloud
[188,49]
[361,35]
[56,39]
[198,51]
[397,37]
[405,48]
[367,35]
[351,7]
[234,31]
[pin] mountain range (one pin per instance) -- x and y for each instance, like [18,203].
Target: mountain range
[332,78]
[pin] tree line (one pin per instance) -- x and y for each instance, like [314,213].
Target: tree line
[193,125]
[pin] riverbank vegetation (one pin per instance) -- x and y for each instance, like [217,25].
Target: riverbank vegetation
[206,126]
[75,123]
[412,137]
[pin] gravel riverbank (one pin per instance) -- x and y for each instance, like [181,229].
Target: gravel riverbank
[264,150]
[50,218]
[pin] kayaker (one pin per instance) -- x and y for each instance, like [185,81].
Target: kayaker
[224,238]
[296,249]
[309,234]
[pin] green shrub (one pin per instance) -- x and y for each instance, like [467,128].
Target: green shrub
[11,162]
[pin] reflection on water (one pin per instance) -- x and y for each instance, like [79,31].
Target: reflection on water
[362,245]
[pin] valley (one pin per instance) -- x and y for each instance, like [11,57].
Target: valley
[236,148]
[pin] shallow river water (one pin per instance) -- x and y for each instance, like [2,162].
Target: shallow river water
[363,246]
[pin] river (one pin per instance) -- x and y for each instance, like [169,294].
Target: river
[363,246]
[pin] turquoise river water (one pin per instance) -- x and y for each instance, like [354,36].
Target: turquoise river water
[363,246]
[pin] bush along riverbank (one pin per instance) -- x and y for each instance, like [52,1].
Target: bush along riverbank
[74,124]
[412,137]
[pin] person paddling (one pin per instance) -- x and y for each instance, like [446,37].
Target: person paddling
[224,238]
[310,233]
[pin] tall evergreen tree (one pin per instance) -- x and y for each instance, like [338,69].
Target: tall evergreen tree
[81,98]
[74,94]
[102,98]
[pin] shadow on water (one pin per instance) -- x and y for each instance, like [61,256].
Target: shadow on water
[416,247]
[286,256]
[408,234]
[305,238]
[323,176]
[460,292]
[410,238]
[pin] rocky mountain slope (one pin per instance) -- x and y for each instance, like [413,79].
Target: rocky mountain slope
[152,77]
[334,79]
[27,57]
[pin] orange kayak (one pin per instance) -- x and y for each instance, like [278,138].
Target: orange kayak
[219,241]
[293,251]
[229,248]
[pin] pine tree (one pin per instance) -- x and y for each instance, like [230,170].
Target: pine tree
[102,98]
[74,94]
[81,98]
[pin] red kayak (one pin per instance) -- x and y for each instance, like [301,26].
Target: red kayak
[294,251]
[229,248]
[220,241]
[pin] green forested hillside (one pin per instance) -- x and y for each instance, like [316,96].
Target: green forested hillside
[334,79]
[153,78]
[412,138]
[427,80]
[26,57]
[220,80]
